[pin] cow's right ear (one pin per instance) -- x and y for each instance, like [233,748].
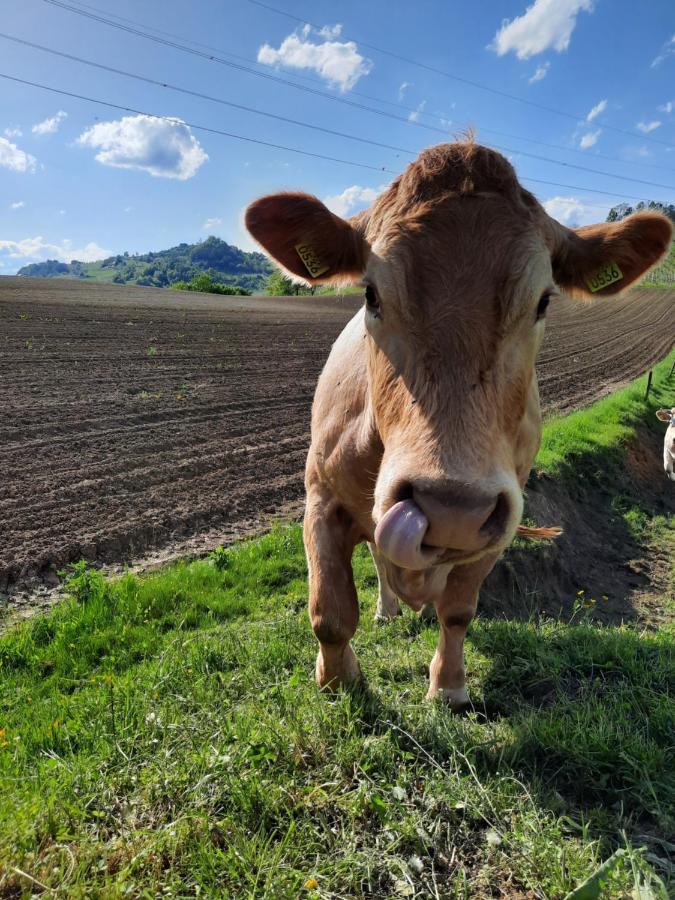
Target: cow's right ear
[665,415]
[307,239]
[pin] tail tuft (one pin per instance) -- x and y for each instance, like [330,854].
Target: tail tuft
[539,534]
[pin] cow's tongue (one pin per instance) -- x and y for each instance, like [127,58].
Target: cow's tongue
[399,535]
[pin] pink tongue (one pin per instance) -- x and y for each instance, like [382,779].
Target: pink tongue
[399,535]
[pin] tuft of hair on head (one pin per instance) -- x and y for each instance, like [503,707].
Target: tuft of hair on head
[549,533]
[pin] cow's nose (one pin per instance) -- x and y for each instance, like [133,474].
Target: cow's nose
[462,517]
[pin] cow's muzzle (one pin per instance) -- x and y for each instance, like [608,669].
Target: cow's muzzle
[432,527]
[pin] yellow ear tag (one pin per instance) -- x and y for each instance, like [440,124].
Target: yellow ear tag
[312,263]
[604,277]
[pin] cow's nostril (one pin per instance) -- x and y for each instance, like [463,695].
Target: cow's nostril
[404,491]
[495,524]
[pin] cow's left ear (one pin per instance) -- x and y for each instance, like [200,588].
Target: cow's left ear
[607,258]
[307,239]
[664,415]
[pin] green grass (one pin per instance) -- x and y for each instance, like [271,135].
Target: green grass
[162,736]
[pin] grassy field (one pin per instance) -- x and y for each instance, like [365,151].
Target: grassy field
[162,736]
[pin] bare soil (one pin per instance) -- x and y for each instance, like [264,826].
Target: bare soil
[140,424]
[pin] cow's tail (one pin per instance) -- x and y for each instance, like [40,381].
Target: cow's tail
[539,534]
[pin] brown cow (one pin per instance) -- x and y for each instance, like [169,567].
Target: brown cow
[426,417]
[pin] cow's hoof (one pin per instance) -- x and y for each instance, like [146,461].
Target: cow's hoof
[343,671]
[457,699]
[382,616]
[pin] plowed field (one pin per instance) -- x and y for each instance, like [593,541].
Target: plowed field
[135,420]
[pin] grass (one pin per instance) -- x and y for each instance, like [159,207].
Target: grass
[162,736]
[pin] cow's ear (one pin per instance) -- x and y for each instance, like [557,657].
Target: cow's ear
[607,258]
[307,239]
[664,415]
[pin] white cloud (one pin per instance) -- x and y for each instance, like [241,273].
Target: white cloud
[51,125]
[19,204]
[646,127]
[211,223]
[546,24]
[414,116]
[166,148]
[329,31]
[351,198]
[540,73]
[667,50]
[37,248]
[572,211]
[597,109]
[11,157]
[339,63]
[403,87]
[667,107]
[589,139]
[13,131]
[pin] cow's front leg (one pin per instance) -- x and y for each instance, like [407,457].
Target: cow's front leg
[333,604]
[387,602]
[455,609]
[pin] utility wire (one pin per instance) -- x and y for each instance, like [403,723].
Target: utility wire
[451,76]
[251,140]
[312,126]
[207,128]
[212,57]
[201,96]
[399,105]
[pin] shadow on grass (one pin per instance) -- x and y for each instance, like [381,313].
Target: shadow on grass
[580,715]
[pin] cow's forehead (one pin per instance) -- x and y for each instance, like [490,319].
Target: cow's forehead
[478,246]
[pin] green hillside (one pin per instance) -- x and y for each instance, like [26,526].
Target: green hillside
[225,263]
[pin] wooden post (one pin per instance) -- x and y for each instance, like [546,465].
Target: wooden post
[649,384]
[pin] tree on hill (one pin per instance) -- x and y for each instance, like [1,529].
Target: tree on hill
[280,285]
[619,212]
[214,257]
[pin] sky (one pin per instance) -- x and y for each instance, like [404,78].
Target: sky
[82,180]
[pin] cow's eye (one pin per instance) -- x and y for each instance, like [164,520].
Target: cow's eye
[372,301]
[543,305]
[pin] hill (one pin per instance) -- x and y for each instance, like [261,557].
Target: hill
[222,261]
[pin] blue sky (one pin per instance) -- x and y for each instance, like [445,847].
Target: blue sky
[81,180]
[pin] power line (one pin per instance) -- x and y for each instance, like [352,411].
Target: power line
[251,140]
[207,128]
[399,105]
[211,57]
[313,127]
[451,76]
[201,96]
[248,59]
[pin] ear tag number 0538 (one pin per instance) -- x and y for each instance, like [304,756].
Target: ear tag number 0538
[604,277]
[311,261]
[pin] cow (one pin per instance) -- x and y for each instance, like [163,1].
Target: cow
[426,417]
[668,415]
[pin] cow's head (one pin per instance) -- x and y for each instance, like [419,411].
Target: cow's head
[668,415]
[459,264]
